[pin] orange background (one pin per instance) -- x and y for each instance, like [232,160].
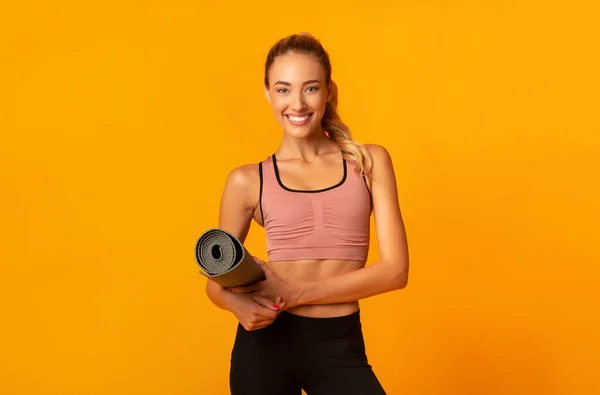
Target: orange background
[120,121]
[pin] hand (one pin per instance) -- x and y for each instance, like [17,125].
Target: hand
[255,311]
[271,287]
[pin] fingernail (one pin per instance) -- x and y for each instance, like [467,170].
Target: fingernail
[276,307]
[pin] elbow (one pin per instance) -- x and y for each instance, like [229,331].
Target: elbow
[404,282]
[396,275]
[400,278]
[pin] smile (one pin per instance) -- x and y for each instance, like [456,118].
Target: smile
[298,119]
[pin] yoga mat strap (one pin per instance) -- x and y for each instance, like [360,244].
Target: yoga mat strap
[223,259]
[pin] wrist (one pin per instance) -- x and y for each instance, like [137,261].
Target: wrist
[299,294]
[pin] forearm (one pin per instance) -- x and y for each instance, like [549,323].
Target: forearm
[369,281]
[219,296]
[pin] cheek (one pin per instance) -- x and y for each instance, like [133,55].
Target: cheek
[278,105]
[318,102]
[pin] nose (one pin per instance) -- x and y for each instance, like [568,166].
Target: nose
[298,103]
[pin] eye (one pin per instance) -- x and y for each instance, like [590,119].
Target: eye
[312,88]
[282,90]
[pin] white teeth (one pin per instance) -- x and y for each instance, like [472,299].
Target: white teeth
[298,119]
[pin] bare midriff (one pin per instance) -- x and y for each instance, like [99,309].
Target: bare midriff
[317,270]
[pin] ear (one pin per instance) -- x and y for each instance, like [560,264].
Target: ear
[267,94]
[329,91]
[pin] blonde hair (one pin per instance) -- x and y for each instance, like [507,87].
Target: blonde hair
[305,43]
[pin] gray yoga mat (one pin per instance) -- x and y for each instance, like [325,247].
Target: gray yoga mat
[224,259]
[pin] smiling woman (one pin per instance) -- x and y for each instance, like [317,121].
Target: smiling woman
[295,101]
[300,328]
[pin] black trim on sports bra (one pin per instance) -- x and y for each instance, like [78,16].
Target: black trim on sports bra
[260,175]
[368,190]
[308,191]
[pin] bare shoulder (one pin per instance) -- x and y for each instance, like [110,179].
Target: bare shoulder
[382,159]
[240,198]
[245,176]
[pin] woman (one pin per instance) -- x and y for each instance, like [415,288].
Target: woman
[300,327]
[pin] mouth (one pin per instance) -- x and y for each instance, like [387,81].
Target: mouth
[298,120]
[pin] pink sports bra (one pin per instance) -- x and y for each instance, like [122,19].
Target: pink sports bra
[330,223]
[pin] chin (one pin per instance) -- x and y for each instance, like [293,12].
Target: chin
[300,132]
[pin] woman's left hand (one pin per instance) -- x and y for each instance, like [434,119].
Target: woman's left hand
[271,287]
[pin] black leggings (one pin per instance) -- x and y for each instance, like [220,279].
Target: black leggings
[323,356]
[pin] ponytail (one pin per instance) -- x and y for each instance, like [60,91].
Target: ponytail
[339,132]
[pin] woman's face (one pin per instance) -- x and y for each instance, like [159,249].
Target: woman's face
[298,93]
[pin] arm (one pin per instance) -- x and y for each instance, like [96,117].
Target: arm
[239,202]
[390,273]
[235,216]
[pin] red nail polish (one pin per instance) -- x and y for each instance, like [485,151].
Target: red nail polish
[275,306]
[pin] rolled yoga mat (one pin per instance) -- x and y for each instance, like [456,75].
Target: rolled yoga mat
[225,260]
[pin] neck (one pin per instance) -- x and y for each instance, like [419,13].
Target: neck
[306,148]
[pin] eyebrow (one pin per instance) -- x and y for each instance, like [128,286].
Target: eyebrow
[288,84]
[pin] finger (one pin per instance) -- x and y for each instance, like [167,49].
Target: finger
[277,307]
[262,320]
[244,289]
[258,260]
[261,325]
[265,267]
[266,303]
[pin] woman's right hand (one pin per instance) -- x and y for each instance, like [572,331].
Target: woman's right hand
[255,311]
